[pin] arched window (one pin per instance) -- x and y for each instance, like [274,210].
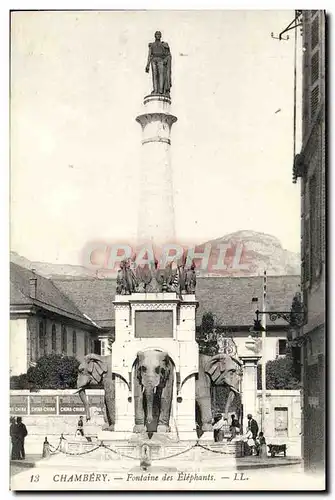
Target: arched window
[53,339]
[74,343]
[64,340]
[41,338]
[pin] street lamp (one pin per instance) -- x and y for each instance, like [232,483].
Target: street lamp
[296,318]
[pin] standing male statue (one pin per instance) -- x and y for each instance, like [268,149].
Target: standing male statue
[160,58]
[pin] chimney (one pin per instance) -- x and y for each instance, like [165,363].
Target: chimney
[33,285]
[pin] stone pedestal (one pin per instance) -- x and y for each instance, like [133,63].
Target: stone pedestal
[249,386]
[177,339]
[156,208]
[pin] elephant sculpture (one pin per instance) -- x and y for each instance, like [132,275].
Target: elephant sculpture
[219,370]
[95,370]
[153,386]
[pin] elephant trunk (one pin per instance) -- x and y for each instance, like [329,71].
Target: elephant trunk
[149,394]
[83,397]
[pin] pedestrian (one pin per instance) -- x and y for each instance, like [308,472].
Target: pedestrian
[234,427]
[219,428]
[253,426]
[14,439]
[22,433]
[261,446]
[250,444]
[80,426]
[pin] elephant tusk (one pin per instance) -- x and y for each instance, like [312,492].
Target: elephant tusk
[155,388]
[143,389]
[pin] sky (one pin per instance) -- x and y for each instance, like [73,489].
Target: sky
[77,84]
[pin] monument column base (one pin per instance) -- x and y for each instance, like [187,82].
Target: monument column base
[187,435]
[207,436]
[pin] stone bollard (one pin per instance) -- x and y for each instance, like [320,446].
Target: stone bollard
[46,449]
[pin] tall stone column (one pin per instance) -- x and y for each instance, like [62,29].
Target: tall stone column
[249,387]
[156,222]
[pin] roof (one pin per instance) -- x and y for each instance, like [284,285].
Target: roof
[228,298]
[48,295]
[93,296]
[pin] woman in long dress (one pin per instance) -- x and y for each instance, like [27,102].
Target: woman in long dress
[263,453]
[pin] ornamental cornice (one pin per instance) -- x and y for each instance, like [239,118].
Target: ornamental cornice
[188,306]
[152,306]
[119,306]
[147,118]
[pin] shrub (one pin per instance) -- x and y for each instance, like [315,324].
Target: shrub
[53,371]
[280,374]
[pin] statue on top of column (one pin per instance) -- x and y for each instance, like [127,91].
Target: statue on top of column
[160,59]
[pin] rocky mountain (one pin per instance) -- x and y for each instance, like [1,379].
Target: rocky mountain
[243,253]
[249,253]
[50,270]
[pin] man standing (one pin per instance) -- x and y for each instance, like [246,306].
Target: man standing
[253,426]
[21,433]
[14,438]
[160,59]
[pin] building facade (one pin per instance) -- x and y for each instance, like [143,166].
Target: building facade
[43,320]
[310,168]
[74,316]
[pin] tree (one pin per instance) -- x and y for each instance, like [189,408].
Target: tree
[52,371]
[280,374]
[206,337]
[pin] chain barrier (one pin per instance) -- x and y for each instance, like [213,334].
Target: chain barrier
[213,451]
[55,449]
[102,445]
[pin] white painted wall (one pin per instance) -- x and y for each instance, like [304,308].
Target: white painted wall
[18,346]
[290,399]
[271,345]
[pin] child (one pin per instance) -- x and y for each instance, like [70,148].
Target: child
[261,448]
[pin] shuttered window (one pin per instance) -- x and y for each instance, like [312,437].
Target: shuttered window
[314,100]
[315,31]
[315,226]
[315,68]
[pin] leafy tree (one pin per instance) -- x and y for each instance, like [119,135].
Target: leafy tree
[281,373]
[206,336]
[52,371]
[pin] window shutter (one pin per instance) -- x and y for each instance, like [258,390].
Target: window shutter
[306,260]
[315,31]
[314,100]
[315,67]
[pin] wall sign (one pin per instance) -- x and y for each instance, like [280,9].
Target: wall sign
[71,405]
[43,405]
[153,324]
[18,405]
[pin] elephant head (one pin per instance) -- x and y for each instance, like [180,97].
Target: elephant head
[224,369]
[90,372]
[152,371]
